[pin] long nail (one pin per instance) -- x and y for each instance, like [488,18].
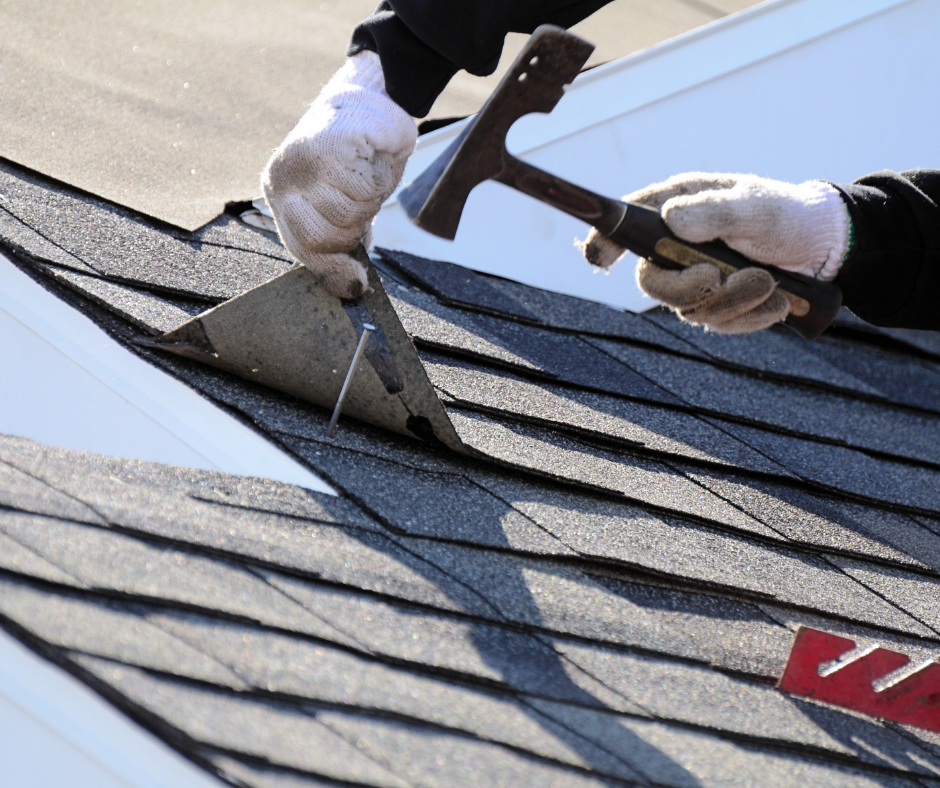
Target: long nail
[367,328]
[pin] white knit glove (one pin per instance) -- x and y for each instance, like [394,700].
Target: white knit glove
[328,179]
[804,228]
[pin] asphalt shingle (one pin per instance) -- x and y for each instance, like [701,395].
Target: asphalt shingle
[915,593]
[601,594]
[459,285]
[636,424]
[107,629]
[698,696]
[849,471]
[279,733]
[153,314]
[288,666]
[829,416]
[637,478]
[121,245]
[829,523]
[829,361]
[111,561]
[476,649]
[557,355]
[433,504]
[23,491]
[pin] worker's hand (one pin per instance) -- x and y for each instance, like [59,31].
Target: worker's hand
[328,179]
[803,228]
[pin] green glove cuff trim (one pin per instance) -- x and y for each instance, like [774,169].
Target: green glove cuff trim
[851,244]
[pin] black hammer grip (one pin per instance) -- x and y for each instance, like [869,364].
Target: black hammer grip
[813,304]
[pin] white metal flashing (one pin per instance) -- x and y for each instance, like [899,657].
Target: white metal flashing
[791,89]
[55,732]
[66,383]
[691,59]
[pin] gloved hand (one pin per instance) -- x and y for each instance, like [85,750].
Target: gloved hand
[803,228]
[328,179]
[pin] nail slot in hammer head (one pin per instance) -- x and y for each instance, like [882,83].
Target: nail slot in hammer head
[535,82]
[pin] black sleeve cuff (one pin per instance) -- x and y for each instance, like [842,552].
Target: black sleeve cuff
[892,275]
[423,43]
[414,73]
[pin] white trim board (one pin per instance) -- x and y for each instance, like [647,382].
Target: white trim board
[55,732]
[66,383]
[788,89]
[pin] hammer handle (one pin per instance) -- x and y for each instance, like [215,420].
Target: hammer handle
[641,229]
[813,304]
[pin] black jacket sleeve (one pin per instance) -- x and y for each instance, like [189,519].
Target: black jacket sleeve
[423,43]
[892,275]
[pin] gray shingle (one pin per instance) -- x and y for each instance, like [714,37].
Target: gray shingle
[525,494]
[829,361]
[564,600]
[704,697]
[826,415]
[672,548]
[283,735]
[907,341]
[926,341]
[475,648]
[16,557]
[228,230]
[457,285]
[777,351]
[106,560]
[355,557]
[554,354]
[19,490]
[23,240]
[828,522]
[150,312]
[679,757]
[156,496]
[655,429]
[366,749]
[118,243]
[426,319]
[284,665]
[432,758]
[848,470]
[919,648]
[109,630]
[637,478]
[900,379]
[256,776]
[915,593]
[439,505]
[575,314]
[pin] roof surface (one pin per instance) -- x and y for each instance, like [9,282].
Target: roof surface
[604,595]
[172,108]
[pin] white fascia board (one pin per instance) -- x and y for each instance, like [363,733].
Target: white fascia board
[691,59]
[786,89]
[56,732]
[67,383]
[662,70]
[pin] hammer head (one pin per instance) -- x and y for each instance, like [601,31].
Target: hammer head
[535,82]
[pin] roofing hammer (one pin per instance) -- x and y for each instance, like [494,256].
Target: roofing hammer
[551,59]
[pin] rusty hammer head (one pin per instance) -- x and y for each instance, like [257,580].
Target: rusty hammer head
[535,82]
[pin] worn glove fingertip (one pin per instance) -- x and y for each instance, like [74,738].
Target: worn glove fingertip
[683,289]
[340,275]
[599,250]
[772,311]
